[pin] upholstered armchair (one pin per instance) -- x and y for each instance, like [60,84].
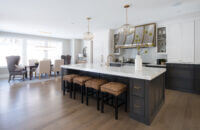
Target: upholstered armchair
[56,68]
[13,67]
[44,68]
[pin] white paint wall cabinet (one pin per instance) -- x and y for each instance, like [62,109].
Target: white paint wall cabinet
[180,41]
[173,42]
[197,40]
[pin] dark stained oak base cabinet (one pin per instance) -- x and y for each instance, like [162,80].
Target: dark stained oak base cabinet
[183,77]
[145,97]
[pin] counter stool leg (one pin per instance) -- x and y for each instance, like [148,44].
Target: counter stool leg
[112,100]
[102,102]
[71,85]
[126,101]
[98,100]
[116,108]
[82,93]
[87,96]
[74,87]
[63,88]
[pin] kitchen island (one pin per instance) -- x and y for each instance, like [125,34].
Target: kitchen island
[146,88]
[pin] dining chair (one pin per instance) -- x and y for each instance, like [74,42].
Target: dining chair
[57,64]
[44,68]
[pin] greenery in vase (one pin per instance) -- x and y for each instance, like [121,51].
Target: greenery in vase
[141,51]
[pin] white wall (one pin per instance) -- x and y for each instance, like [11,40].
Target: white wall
[197,40]
[76,48]
[101,45]
[66,50]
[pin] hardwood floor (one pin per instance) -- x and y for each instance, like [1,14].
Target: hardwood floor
[25,106]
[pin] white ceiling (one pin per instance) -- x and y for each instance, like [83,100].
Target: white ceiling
[67,18]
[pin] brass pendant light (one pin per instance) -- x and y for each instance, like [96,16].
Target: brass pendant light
[88,35]
[126,28]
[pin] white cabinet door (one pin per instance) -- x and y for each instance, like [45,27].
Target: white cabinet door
[187,41]
[197,41]
[180,41]
[173,39]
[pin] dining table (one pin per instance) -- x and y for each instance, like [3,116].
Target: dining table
[32,68]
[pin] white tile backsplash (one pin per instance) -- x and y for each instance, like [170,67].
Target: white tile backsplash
[150,57]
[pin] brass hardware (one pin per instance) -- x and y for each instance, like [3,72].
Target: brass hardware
[137,106]
[136,87]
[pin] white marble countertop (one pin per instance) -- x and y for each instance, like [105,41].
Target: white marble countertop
[147,73]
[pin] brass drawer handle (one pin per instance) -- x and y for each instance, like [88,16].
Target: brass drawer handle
[136,87]
[137,106]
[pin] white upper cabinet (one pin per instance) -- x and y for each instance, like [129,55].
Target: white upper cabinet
[197,40]
[173,41]
[180,41]
[187,42]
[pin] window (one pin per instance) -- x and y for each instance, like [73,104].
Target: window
[44,50]
[8,47]
[35,50]
[29,49]
[54,50]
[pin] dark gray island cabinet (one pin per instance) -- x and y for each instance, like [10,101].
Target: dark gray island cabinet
[146,88]
[183,77]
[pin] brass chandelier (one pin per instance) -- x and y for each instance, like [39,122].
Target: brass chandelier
[126,28]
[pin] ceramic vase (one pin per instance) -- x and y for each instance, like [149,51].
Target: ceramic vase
[138,63]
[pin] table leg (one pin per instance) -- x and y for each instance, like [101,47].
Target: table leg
[26,74]
[30,73]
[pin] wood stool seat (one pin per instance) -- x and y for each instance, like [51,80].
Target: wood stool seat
[113,88]
[116,89]
[94,84]
[81,80]
[69,78]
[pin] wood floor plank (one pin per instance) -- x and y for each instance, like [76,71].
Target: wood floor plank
[41,106]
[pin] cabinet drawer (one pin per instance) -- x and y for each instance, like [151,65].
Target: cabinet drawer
[137,106]
[138,88]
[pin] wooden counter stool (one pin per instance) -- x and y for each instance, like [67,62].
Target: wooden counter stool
[68,80]
[80,81]
[115,89]
[95,85]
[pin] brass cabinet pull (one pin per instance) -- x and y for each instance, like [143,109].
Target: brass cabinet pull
[136,87]
[137,106]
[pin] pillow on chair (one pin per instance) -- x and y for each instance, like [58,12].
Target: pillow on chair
[19,68]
